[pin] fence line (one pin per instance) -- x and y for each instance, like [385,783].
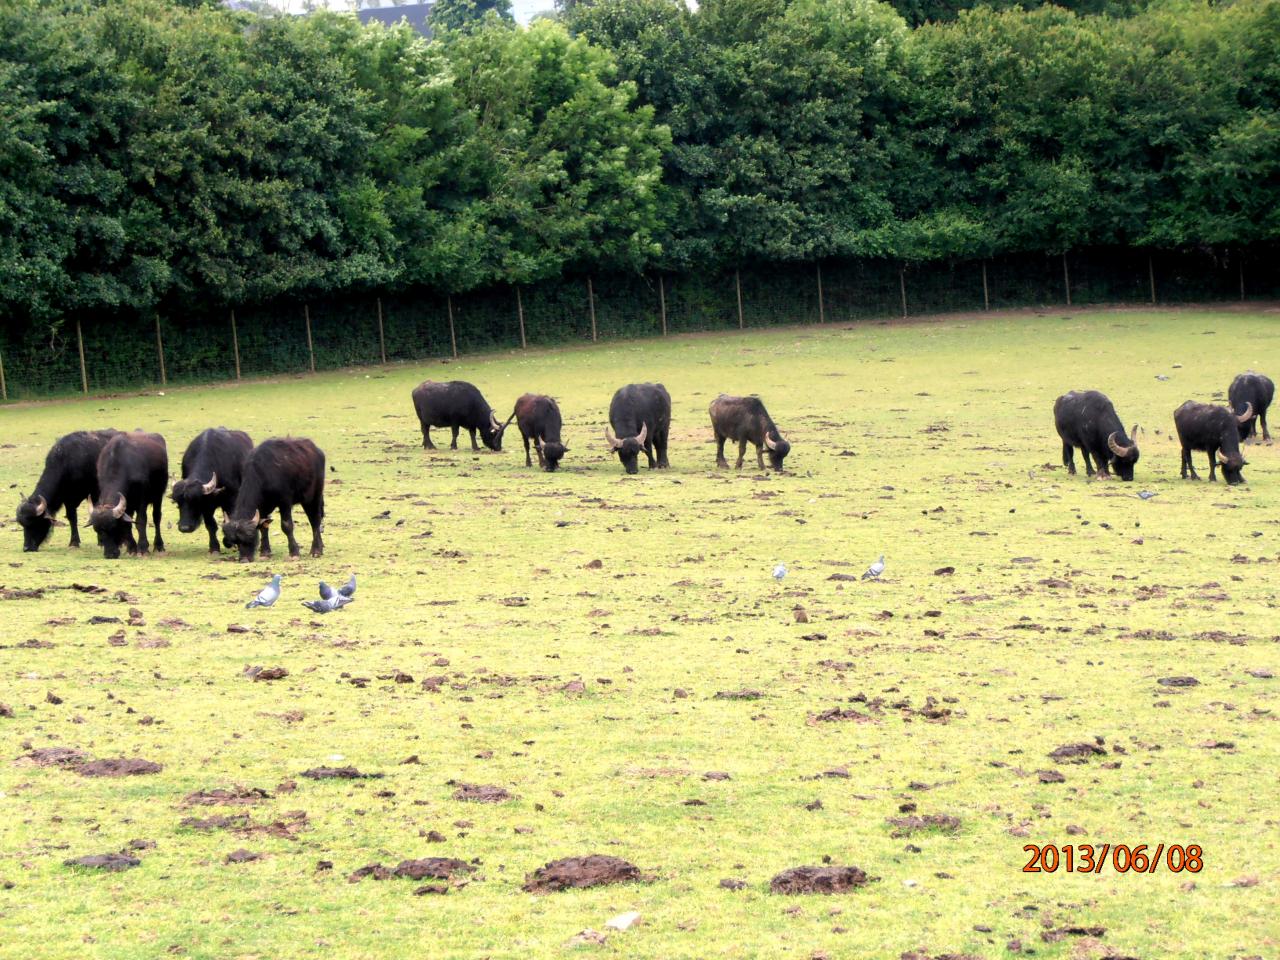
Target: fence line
[417,324]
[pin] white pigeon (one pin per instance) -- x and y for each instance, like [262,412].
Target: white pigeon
[267,596]
[875,569]
[779,571]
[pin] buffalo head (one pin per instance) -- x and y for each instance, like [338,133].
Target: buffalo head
[628,450]
[189,495]
[243,534]
[1123,457]
[114,527]
[778,449]
[36,521]
[550,454]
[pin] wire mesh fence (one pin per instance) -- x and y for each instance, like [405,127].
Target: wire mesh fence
[105,353]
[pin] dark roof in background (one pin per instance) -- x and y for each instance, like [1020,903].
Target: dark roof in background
[415,13]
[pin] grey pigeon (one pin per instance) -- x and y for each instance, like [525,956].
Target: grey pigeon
[875,569]
[267,596]
[327,592]
[336,602]
[1147,494]
[348,589]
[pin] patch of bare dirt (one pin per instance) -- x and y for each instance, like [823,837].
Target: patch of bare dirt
[825,880]
[337,773]
[437,868]
[1077,752]
[223,796]
[56,757]
[111,862]
[595,870]
[118,767]
[941,822]
[479,793]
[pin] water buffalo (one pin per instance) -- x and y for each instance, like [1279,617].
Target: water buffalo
[1216,430]
[745,420]
[1087,419]
[641,415]
[70,476]
[538,419]
[457,405]
[278,474]
[1251,393]
[210,480]
[133,473]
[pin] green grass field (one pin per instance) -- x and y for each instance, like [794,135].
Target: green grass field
[930,442]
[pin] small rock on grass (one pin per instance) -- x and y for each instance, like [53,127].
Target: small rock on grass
[623,921]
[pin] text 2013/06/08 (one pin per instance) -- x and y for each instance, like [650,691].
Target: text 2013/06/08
[1122,858]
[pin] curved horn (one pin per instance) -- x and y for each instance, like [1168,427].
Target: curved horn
[212,485]
[118,510]
[257,518]
[509,419]
[42,507]
[1115,447]
[493,421]
[1247,415]
[614,442]
[769,443]
[644,432]
[1229,461]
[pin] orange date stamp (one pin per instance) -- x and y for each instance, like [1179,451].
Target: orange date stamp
[1120,857]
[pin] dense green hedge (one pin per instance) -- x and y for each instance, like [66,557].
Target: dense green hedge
[177,160]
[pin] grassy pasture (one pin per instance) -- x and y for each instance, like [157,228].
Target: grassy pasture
[931,442]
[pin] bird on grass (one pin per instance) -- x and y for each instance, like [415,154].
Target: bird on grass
[348,589]
[327,605]
[1147,494]
[267,596]
[874,571]
[779,571]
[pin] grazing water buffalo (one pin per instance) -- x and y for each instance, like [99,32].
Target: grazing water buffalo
[133,472]
[1251,393]
[1087,419]
[1216,430]
[641,414]
[538,418]
[457,405]
[278,474]
[70,476]
[210,479]
[745,420]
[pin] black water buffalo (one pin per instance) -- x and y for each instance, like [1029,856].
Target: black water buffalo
[211,470]
[457,405]
[745,420]
[538,419]
[1087,419]
[278,474]
[1216,430]
[70,476]
[641,415]
[1251,393]
[133,473]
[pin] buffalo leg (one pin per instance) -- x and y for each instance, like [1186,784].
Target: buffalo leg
[286,524]
[156,508]
[528,460]
[1266,434]
[1069,457]
[742,452]
[1088,465]
[760,457]
[1213,465]
[71,519]
[142,546]
[426,439]
[472,432]
[211,526]
[315,517]
[648,452]
[721,462]
[660,442]
[265,549]
[453,445]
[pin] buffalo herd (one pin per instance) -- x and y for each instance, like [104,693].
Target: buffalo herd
[123,475]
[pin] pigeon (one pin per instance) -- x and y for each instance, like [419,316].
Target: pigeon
[267,596]
[348,589]
[336,602]
[875,569]
[1161,376]
[327,592]
[779,571]
[1147,494]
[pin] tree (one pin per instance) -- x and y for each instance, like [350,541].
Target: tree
[467,15]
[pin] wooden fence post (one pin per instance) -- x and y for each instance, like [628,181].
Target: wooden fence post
[453,337]
[524,344]
[4,388]
[382,337]
[986,296]
[311,352]
[160,352]
[1151,273]
[902,288]
[822,309]
[84,376]
[737,283]
[235,344]
[591,299]
[662,302]
[1066,278]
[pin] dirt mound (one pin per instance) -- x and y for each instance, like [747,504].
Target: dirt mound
[818,880]
[479,793]
[223,796]
[595,870]
[942,822]
[243,856]
[113,862]
[118,767]
[230,822]
[1077,752]
[337,773]
[438,868]
[1178,682]
[743,694]
[55,757]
